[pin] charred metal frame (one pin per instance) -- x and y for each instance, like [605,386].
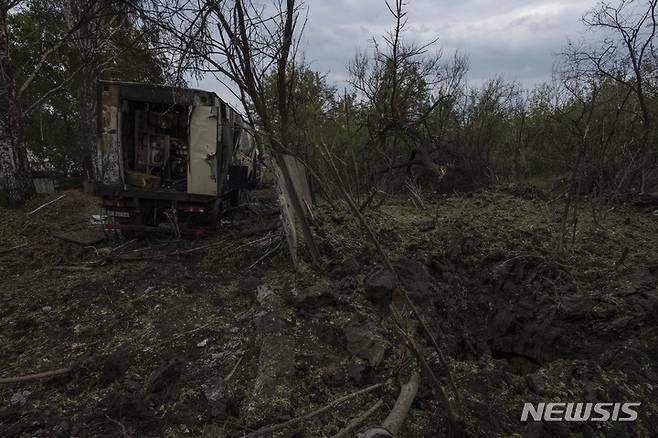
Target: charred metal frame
[229,125]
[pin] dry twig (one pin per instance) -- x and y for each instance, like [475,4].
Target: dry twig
[45,205]
[235,368]
[357,421]
[270,429]
[5,251]
[389,266]
[121,425]
[266,255]
[395,419]
[71,268]
[38,376]
[434,381]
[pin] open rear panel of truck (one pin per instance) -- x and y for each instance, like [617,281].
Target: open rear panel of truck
[166,151]
[164,139]
[203,159]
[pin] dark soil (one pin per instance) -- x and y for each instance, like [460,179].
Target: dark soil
[218,341]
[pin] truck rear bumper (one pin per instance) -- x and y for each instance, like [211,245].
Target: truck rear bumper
[119,192]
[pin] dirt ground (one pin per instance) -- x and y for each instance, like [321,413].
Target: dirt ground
[217,336]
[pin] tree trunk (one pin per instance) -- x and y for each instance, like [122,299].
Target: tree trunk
[86,123]
[16,183]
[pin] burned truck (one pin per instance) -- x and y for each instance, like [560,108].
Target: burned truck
[169,154]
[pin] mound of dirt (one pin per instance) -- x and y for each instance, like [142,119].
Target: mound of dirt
[192,337]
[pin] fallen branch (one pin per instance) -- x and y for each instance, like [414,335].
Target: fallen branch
[395,419]
[123,259]
[188,251]
[389,266]
[455,422]
[259,230]
[123,245]
[356,422]
[123,428]
[368,200]
[5,251]
[270,429]
[235,368]
[266,255]
[38,376]
[45,205]
[71,268]
[113,259]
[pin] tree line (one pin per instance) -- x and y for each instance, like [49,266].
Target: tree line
[52,53]
[407,118]
[409,114]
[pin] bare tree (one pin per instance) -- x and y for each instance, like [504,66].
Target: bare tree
[626,57]
[585,92]
[403,84]
[243,41]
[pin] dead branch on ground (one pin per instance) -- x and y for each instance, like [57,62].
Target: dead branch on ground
[71,268]
[121,426]
[439,392]
[395,419]
[266,255]
[114,259]
[234,369]
[45,205]
[5,251]
[38,376]
[452,416]
[334,404]
[357,421]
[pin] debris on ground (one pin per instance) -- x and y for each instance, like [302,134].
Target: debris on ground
[181,337]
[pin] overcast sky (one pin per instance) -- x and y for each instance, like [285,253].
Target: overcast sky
[515,39]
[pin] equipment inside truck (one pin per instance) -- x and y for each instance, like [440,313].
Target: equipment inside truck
[155,145]
[170,155]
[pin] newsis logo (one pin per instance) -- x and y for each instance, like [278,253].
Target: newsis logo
[579,411]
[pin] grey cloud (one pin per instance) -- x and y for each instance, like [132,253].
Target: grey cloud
[510,38]
[514,39]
